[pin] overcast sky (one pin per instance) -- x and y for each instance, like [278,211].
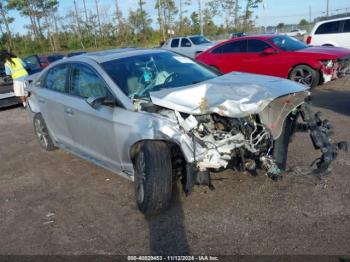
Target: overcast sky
[271,12]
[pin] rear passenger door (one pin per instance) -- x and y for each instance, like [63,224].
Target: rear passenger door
[92,129]
[230,56]
[52,99]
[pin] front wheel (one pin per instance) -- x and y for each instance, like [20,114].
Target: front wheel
[305,75]
[153,177]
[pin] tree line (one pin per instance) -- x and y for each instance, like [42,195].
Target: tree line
[97,27]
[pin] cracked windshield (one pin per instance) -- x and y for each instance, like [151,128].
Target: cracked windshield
[138,75]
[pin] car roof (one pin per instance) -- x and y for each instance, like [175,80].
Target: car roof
[260,36]
[184,36]
[112,54]
[333,20]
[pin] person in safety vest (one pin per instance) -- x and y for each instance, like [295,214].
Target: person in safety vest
[15,67]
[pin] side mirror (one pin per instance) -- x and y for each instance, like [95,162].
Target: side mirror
[269,51]
[187,44]
[96,102]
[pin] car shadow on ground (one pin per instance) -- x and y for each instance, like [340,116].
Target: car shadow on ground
[335,100]
[167,230]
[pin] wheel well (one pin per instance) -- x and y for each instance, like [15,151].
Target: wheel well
[178,161]
[173,147]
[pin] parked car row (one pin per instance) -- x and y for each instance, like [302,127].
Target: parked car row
[279,55]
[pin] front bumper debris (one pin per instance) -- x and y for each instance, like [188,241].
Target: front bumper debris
[320,132]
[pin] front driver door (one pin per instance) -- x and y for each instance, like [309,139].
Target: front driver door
[258,62]
[92,128]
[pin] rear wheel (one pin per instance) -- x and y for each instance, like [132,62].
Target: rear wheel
[153,177]
[42,133]
[305,75]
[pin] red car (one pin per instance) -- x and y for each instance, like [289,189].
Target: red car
[279,55]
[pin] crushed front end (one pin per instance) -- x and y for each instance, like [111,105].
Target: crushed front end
[334,69]
[215,142]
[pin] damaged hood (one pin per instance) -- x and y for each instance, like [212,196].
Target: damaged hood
[233,95]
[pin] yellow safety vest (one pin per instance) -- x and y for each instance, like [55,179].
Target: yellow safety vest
[17,69]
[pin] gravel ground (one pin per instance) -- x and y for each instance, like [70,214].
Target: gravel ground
[56,203]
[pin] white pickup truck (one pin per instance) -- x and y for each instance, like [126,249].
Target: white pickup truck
[297,32]
[188,45]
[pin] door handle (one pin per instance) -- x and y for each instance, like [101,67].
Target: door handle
[69,111]
[41,101]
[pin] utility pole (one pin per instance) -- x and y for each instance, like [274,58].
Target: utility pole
[200,15]
[78,24]
[309,14]
[327,13]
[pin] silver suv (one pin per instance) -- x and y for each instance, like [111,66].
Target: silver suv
[154,116]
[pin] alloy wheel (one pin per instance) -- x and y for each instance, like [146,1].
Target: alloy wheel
[303,76]
[41,133]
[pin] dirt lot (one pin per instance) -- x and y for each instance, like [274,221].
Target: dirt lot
[56,203]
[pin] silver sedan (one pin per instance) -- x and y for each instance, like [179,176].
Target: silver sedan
[154,116]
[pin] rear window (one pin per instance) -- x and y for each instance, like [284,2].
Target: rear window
[347,26]
[232,47]
[328,28]
[54,58]
[175,42]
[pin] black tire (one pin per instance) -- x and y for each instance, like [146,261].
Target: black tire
[42,133]
[281,144]
[153,177]
[305,75]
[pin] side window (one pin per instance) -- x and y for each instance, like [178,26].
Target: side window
[232,47]
[257,46]
[185,42]
[328,28]
[56,78]
[175,42]
[347,26]
[86,83]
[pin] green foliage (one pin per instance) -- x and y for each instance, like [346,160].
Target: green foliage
[50,32]
[303,23]
[280,26]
